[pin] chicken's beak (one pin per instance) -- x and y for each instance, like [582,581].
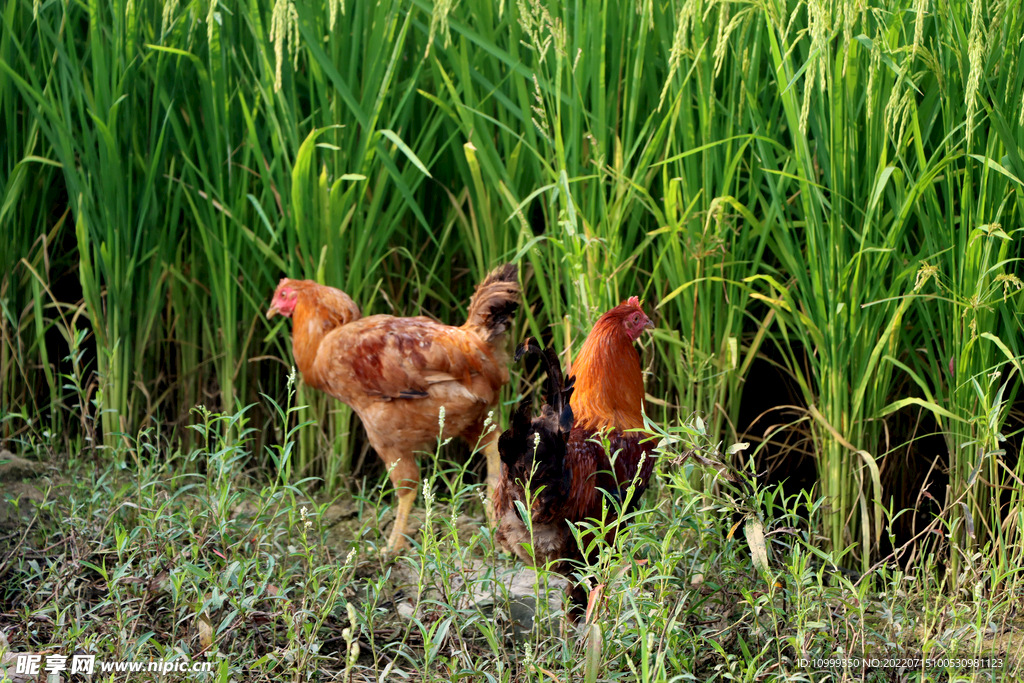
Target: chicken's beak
[649,325]
[272,311]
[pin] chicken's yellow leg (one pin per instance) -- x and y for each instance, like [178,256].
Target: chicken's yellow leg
[405,475]
[493,475]
[397,540]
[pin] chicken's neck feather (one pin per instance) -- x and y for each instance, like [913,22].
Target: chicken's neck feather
[609,382]
[319,311]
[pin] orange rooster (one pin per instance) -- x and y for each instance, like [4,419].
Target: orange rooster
[397,374]
[559,455]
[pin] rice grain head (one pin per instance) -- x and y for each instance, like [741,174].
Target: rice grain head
[680,44]
[925,273]
[873,68]
[721,35]
[535,21]
[932,64]
[540,118]
[975,57]
[439,23]
[209,21]
[921,9]
[746,69]
[805,108]
[819,23]
[850,13]
[897,112]
[284,27]
[1008,280]
[334,6]
[167,16]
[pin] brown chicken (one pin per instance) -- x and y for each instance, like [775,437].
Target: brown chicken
[398,373]
[560,455]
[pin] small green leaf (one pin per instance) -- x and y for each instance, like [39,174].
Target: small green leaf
[390,135]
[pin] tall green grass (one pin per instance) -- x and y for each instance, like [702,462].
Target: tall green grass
[833,184]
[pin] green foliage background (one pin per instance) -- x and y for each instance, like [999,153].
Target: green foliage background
[836,182]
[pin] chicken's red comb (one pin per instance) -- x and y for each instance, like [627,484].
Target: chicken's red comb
[634,301]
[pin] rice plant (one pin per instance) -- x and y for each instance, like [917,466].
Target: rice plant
[864,165]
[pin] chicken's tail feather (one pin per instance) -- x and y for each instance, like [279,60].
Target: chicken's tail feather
[559,390]
[512,444]
[495,302]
